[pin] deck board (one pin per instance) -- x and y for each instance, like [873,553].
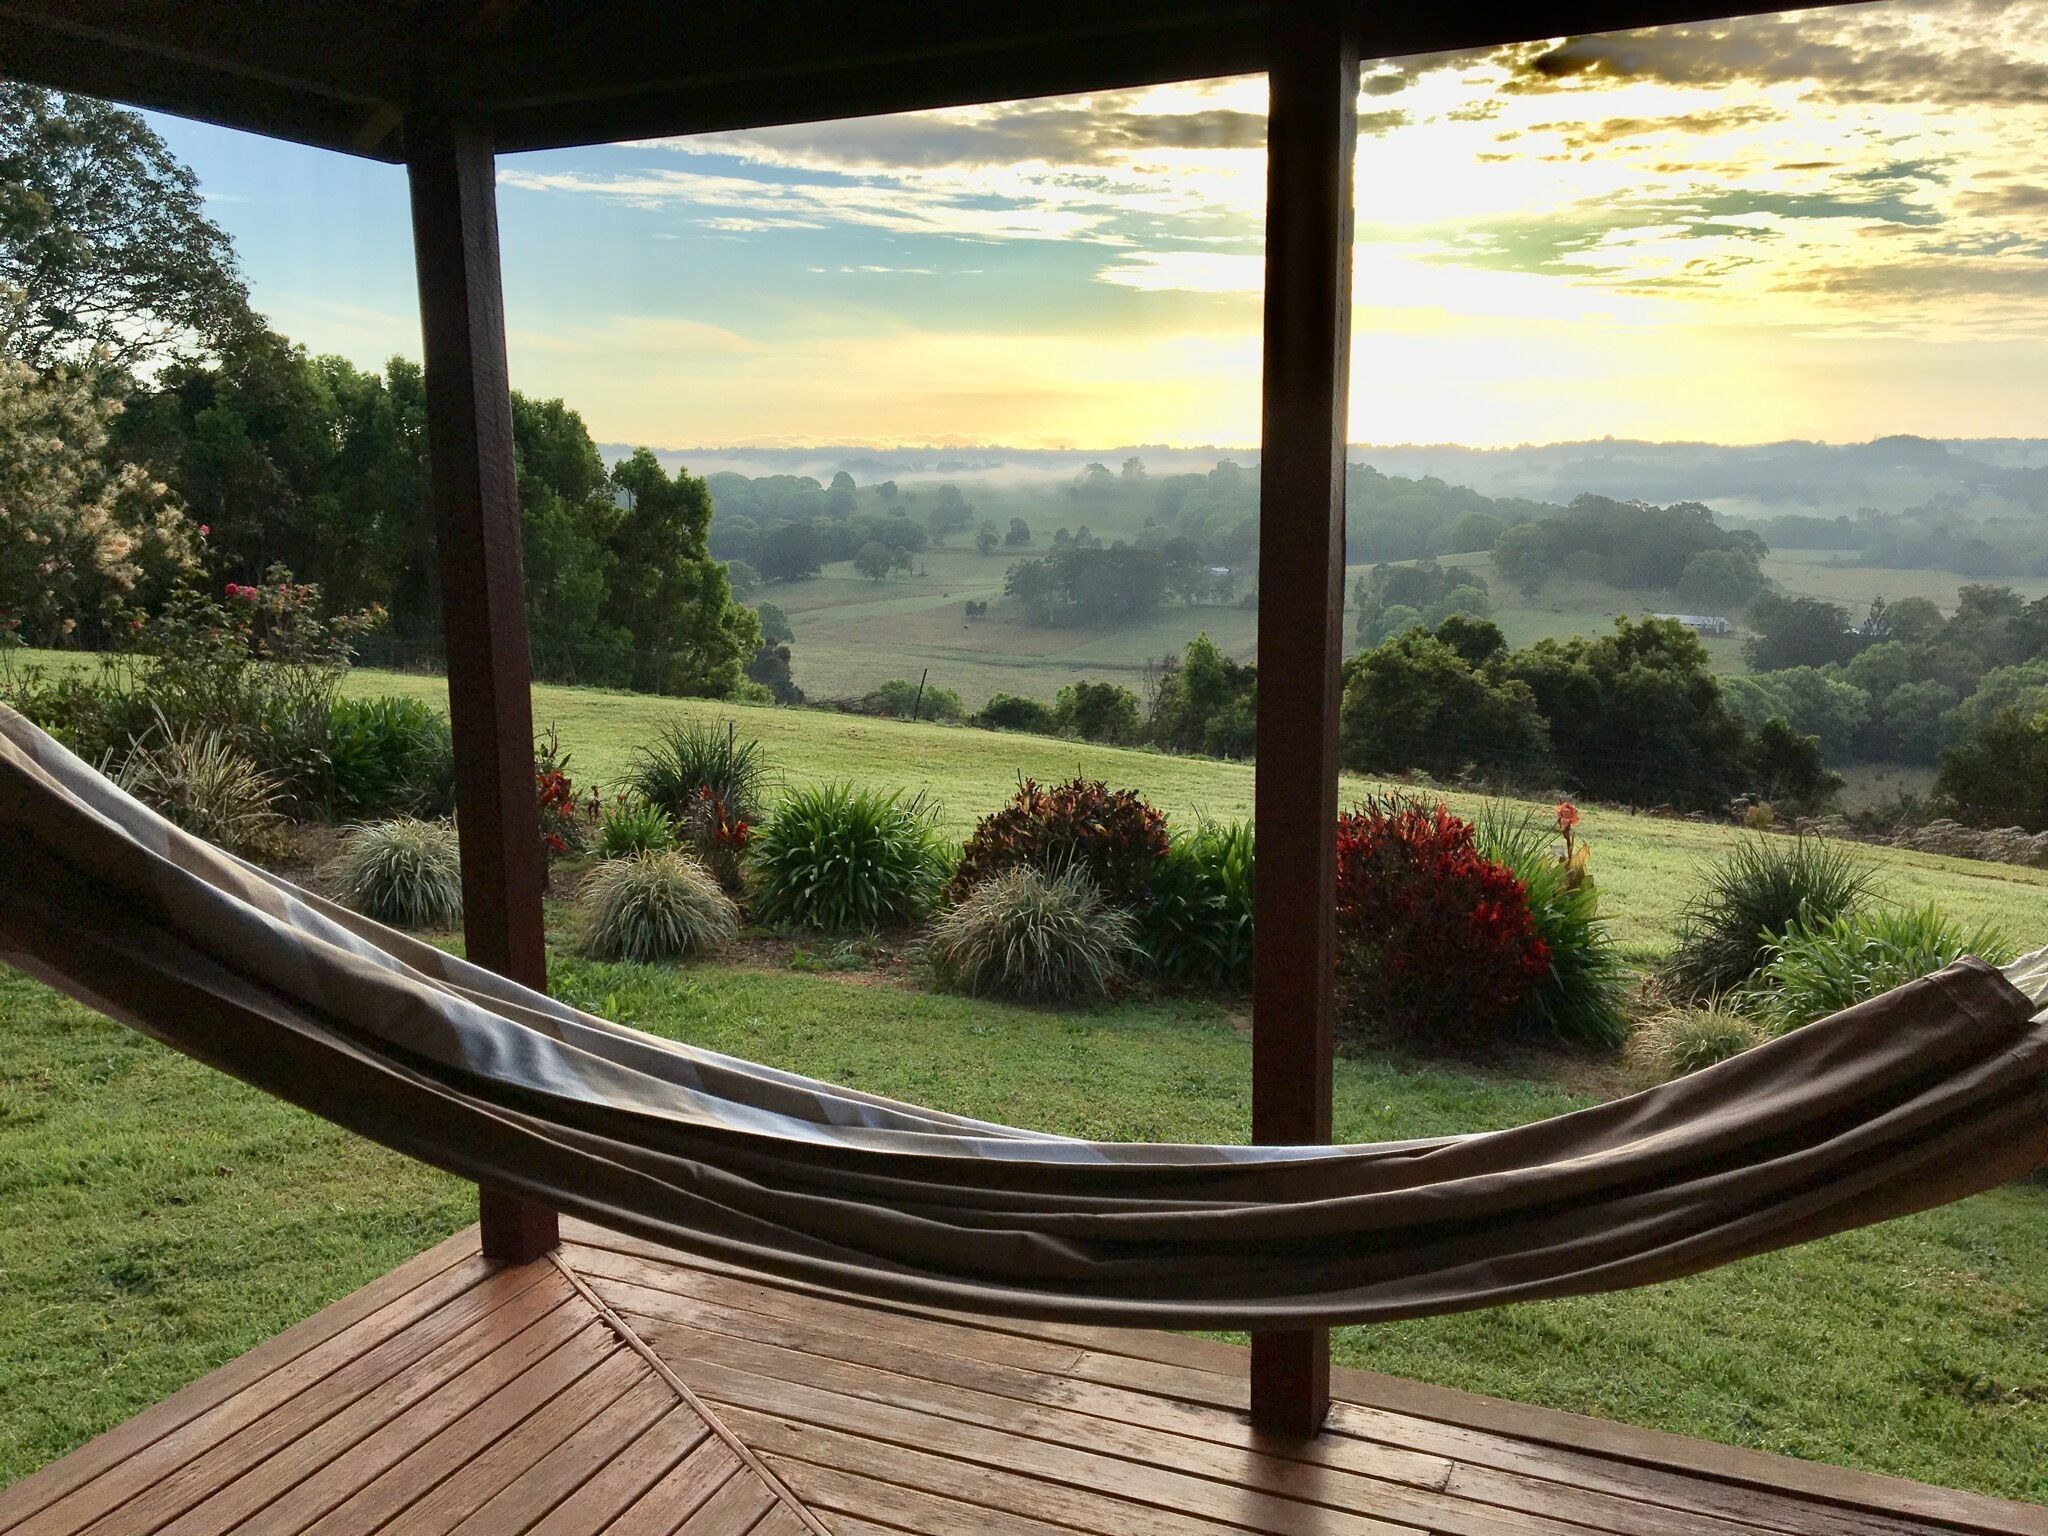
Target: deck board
[619,1388]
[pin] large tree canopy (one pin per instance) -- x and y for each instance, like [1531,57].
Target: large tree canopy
[104,241]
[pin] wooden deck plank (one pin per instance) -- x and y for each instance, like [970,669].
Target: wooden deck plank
[252,1397]
[738,1506]
[634,1392]
[46,1485]
[665,1507]
[609,1435]
[619,1484]
[475,1483]
[391,1491]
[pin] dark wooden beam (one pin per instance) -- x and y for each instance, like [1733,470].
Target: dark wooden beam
[1311,142]
[483,590]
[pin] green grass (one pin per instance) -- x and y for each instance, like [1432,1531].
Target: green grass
[160,1219]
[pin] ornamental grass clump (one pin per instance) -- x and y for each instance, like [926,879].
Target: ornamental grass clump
[1033,937]
[1683,1040]
[197,778]
[1750,899]
[1821,968]
[1195,926]
[405,872]
[1582,997]
[1436,945]
[687,758]
[835,858]
[662,905]
[1112,834]
[633,826]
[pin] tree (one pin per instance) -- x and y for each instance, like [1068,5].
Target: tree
[1415,703]
[874,560]
[1786,769]
[80,537]
[843,481]
[1798,632]
[744,580]
[104,242]
[1019,534]
[1106,712]
[1522,555]
[1810,701]
[888,491]
[1996,775]
[667,591]
[950,513]
[1133,471]
[1636,716]
[788,552]
[1915,620]
[1720,581]
[1477,640]
[770,669]
[986,538]
[775,627]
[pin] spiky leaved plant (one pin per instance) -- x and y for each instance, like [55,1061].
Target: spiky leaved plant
[1032,936]
[662,905]
[405,872]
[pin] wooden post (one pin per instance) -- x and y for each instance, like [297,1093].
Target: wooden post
[1311,140]
[483,599]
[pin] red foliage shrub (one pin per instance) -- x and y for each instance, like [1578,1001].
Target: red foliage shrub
[1436,945]
[1111,833]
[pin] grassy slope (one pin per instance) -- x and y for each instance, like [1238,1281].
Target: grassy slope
[1645,864]
[160,1219]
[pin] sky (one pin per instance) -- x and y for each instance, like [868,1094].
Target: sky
[1826,224]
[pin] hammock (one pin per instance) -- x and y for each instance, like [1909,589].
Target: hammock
[1932,1092]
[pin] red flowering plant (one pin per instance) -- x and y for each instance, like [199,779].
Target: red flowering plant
[1113,834]
[1436,944]
[720,838]
[564,829]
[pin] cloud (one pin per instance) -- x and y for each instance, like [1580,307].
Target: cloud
[1892,53]
[1995,202]
[1614,130]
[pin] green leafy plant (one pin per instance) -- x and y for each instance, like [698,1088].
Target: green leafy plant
[1746,901]
[1682,1040]
[405,872]
[901,699]
[1196,925]
[1819,968]
[388,755]
[654,906]
[686,758]
[1583,998]
[1033,936]
[1113,834]
[834,858]
[632,826]
[201,781]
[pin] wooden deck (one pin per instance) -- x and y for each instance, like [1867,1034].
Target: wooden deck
[621,1388]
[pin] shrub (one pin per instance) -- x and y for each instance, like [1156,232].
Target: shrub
[1008,712]
[1684,1040]
[632,827]
[902,699]
[1764,886]
[1822,967]
[1996,775]
[1113,834]
[1436,945]
[1195,927]
[562,827]
[98,715]
[1032,936]
[198,779]
[1582,998]
[406,872]
[1106,712]
[654,906]
[688,757]
[834,857]
[386,756]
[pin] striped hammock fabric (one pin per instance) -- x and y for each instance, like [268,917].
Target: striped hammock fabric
[1935,1091]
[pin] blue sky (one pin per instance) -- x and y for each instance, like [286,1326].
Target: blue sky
[1826,225]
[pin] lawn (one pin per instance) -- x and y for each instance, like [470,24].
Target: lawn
[160,1219]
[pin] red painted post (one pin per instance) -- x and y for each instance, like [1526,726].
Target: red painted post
[1311,140]
[452,171]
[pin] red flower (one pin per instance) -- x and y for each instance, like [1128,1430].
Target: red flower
[205,532]
[1567,815]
